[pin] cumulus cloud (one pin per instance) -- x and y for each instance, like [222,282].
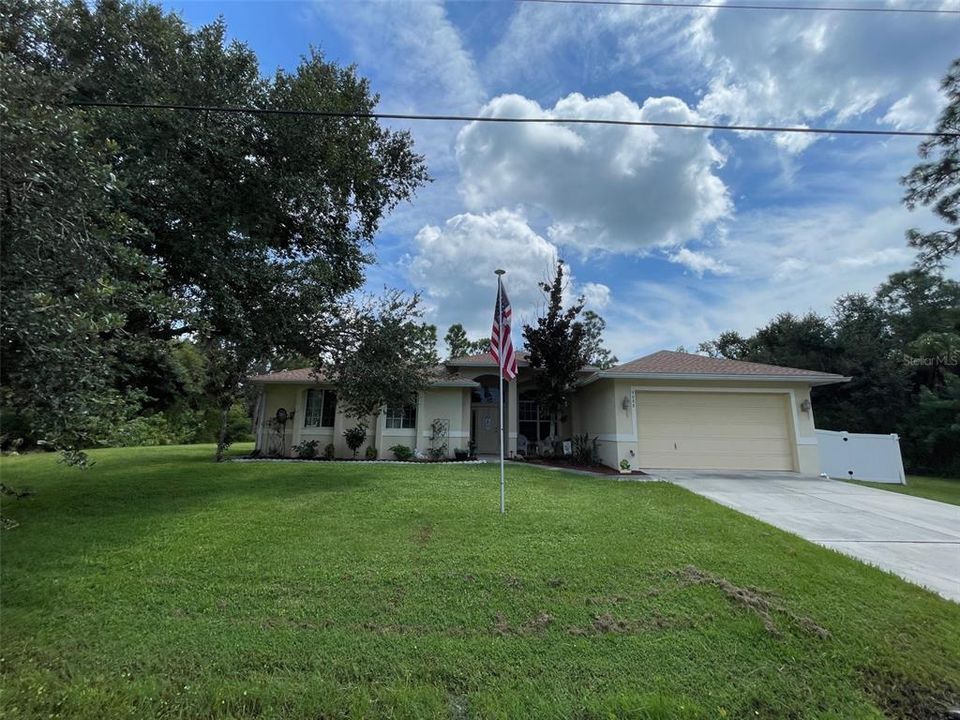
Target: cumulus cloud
[599,187]
[453,267]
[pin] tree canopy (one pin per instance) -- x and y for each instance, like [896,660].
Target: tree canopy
[935,183]
[556,348]
[236,230]
[459,345]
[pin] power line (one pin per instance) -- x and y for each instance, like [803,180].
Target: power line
[336,114]
[718,6]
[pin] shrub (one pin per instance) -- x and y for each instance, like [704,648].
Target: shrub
[460,454]
[371,452]
[307,449]
[329,452]
[437,453]
[584,450]
[401,452]
[355,437]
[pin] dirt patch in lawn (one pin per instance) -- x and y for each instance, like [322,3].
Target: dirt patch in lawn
[903,698]
[751,599]
[423,535]
[537,624]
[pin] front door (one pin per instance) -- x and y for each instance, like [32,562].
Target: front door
[486,428]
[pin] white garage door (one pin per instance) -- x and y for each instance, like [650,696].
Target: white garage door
[732,431]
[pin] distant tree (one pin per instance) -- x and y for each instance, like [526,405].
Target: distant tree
[556,349]
[384,356]
[918,301]
[933,428]
[596,353]
[459,345]
[729,344]
[936,183]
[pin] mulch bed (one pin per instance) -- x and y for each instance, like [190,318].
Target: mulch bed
[565,464]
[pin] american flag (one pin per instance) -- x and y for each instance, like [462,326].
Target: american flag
[500,341]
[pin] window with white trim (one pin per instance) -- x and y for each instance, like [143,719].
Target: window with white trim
[401,417]
[321,408]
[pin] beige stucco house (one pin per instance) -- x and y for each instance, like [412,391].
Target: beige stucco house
[665,410]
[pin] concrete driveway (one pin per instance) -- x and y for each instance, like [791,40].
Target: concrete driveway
[915,538]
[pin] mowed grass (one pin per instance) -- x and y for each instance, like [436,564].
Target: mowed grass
[160,585]
[933,488]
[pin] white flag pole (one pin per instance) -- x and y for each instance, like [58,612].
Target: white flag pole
[500,361]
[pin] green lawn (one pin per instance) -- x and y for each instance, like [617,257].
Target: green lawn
[160,585]
[934,488]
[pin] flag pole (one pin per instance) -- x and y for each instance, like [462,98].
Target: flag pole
[500,361]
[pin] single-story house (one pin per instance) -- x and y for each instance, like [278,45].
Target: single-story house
[665,410]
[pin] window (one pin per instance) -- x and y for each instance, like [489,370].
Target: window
[528,411]
[321,408]
[402,417]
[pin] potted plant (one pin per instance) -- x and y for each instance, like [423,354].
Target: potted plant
[624,467]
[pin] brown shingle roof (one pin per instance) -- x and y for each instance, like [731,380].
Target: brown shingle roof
[486,360]
[297,375]
[443,377]
[668,362]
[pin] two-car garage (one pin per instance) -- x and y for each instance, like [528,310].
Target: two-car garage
[716,430]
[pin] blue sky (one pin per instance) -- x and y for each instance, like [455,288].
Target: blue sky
[672,235]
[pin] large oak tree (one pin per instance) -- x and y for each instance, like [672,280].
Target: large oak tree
[251,227]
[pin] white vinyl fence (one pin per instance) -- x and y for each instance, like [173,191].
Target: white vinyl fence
[860,456]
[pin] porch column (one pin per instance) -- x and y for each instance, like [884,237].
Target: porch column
[298,418]
[422,426]
[339,421]
[513,414]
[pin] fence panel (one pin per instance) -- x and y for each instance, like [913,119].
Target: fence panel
[860,456]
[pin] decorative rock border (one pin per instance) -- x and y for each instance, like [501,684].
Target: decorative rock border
[359,461]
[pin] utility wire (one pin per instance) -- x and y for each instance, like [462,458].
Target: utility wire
[334,114]
[718,6]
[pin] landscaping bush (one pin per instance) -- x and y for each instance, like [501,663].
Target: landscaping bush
[306,450]
[371,452]
[461,454]
[401,452]
[355,437]
[437,453]
[584,450]
[329,452]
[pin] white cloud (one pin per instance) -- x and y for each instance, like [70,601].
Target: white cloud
[596,295]
[418,62]
[454,264]
[918,110]
[787,260]
[600,187]
[776,68]
[453,268]
[699,263]
[748,67]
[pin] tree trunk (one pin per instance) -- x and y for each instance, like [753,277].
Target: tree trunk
[222,443]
